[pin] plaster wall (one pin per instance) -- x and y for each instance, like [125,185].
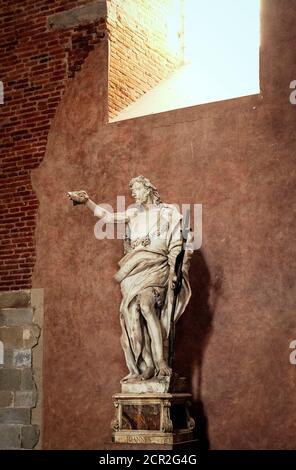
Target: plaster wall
[237,158]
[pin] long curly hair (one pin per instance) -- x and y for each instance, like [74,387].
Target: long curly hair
[147,185]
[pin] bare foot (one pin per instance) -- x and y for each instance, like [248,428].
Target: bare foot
[164,370]
[147,374]
[129,377]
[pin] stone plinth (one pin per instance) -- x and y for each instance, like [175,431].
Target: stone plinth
[152,418]
[173,384]
[188,446]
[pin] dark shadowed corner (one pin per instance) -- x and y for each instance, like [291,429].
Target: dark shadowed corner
[193,334]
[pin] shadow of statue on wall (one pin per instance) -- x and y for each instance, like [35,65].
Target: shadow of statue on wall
[193,333]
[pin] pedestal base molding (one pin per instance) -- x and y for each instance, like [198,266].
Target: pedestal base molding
[152,418]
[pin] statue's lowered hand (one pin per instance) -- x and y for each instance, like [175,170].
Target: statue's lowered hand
[78,197]
[173,282]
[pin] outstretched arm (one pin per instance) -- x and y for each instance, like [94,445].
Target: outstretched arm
[91,205]
[81,197]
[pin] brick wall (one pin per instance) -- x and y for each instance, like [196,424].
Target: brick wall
[146,45]
[39,54]
[36,63]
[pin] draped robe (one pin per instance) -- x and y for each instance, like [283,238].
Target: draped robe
[150,266]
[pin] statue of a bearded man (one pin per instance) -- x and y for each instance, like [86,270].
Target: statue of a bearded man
[147,277]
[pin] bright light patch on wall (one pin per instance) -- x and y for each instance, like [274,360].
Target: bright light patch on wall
[221,58]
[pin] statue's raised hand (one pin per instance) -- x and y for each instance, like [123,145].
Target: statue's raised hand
[78,197]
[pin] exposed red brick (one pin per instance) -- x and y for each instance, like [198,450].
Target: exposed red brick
[139,48]
[35,67]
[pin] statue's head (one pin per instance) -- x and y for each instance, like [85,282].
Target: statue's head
[144,191]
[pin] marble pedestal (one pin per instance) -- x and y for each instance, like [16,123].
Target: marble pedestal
[152,418]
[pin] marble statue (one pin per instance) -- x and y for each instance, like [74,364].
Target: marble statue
[147,277]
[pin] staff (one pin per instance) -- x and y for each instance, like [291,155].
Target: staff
[178,285]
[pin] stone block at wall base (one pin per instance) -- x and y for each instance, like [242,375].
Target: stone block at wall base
[17,436]
[15,299]
[15,416]
[16,316]
[10,436]
[29,436]
[6,398]
[25,399]
[10,379]
[21,319]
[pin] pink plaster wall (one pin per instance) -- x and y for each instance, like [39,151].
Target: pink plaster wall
[237,158]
